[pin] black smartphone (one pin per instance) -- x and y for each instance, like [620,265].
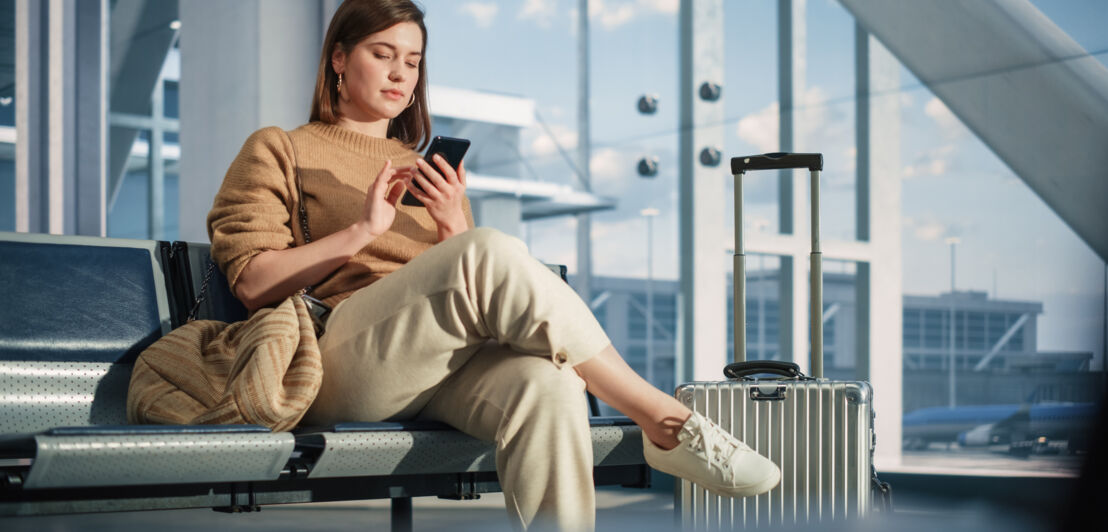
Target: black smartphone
[451,149]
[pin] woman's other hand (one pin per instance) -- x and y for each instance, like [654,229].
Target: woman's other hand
[275,274]
[379,210]
[443,194]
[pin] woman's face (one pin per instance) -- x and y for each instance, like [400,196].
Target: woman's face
[380,73]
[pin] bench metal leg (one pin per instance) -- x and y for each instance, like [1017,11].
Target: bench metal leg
[401,514]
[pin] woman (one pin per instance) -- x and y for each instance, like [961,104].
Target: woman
[434,319]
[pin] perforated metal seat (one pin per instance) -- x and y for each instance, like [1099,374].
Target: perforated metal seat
[91,306]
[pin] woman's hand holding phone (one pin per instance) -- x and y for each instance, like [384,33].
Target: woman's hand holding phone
[443,194]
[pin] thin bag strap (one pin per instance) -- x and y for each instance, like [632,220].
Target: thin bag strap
[302,210]
[203,291]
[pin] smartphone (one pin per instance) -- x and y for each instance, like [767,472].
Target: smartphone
[451,149]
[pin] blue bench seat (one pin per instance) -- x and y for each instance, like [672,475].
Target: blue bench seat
[92,304]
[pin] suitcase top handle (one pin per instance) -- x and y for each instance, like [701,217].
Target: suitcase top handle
[743,370]
[777,161]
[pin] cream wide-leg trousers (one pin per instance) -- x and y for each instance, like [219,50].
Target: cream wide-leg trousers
[476,333]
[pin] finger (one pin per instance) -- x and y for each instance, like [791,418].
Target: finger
[400,175]
[462,173]
[385,169]
[382,181]
[431,173]
[429,189]
[448,172]
[395,191]
[419,194]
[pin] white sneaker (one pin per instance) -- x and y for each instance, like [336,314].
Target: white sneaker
[714,460]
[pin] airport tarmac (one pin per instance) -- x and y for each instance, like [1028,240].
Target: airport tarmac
[994,460]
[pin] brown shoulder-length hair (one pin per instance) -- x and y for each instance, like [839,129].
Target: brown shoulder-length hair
[353,21]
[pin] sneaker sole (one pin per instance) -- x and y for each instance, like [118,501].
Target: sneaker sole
[749,490]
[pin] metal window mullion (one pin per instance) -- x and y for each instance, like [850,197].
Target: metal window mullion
[30,114]
[62,124]
[155,165]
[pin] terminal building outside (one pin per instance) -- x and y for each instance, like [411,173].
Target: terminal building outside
[997,358]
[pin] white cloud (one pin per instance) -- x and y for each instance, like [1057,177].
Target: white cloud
[667,7]
[932,229]
[938,111]
[620,229]
[823,126]
[929,231]
[934,162]
[611,16]
[819,123]
[761,128]
[620,249]
[607,164]
[541,11]
[484,14]
[850,159]
[543,144]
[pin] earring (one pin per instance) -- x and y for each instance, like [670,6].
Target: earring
[411,102]
[338,86]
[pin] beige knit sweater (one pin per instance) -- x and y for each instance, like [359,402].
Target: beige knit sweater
[256,207]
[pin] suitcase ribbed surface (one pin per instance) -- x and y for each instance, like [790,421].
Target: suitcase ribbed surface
[819,432]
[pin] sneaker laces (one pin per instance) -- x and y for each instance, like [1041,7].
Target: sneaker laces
[713,440]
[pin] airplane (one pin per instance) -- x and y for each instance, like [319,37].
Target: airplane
[1023,427]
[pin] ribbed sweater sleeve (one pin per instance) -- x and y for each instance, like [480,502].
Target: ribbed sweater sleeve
[251,212]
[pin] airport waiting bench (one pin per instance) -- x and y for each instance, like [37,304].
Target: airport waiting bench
[79,310]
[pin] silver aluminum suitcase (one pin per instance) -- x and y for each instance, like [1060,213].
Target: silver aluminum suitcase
[820,432]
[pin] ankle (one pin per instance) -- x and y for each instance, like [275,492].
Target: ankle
[663,433]
[662,439]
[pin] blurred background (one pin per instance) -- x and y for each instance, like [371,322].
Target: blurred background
[964,191]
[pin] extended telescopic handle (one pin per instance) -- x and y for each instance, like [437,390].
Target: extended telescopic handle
[777,161]
[780,161]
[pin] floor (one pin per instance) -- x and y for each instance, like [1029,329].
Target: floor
[617,509]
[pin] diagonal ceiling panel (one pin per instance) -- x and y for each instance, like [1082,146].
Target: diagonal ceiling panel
[1023,86]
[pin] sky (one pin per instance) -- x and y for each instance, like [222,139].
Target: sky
[1011,244]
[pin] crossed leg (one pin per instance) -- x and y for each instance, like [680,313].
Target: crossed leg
[537,414]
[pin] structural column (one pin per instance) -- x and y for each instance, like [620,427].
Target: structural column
[224,97]
[31,105]
[879,286]
[91,117]
[702,314]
